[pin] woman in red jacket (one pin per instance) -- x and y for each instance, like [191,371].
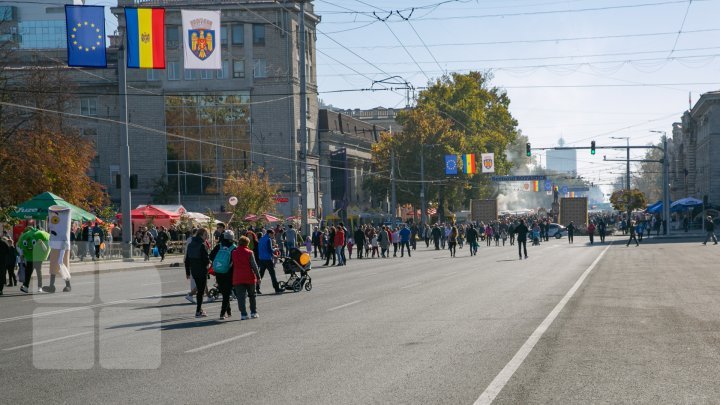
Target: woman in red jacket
[339,244]
[244,277]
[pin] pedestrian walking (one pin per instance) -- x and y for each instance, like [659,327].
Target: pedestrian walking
[33,246]
[162,242]
[710,229]
[471,235]
[10,262]
[198,261]
[265,251]
[633,236]
[339,244]
[591,232]
[221,258]
[360,243]
[405,235]
[245,276]
[522,231]
[330,246]
[571,231]
[395,241]
[452,240]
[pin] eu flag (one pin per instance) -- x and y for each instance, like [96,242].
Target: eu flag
[451,167]
[85,36]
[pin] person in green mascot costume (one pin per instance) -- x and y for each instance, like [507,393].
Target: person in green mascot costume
[33,246]
[59,226]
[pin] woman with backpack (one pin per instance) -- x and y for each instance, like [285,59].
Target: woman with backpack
[221,258]
[197,260]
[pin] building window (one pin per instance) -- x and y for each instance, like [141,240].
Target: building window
[259,34]
[153,75]
[259,68]
[238,34]
[223,73]
[238,69]
[206,74]
[114,172]
[172,36]
[223,35]
[173,72]
[189,74]
[88,106]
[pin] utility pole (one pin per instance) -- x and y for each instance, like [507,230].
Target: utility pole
[423,213]
[627,177]
[303,124]
[666,187]
[125,192]
[393,196]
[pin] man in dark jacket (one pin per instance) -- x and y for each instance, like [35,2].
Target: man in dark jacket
[522,230]
[359,237]
[436,235]
[198,261]
[710,229]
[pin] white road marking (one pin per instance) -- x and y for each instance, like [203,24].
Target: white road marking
[492,390]
[344,305]
[413,285]
[220,342]
[46,341]
[73,309]
[451,273]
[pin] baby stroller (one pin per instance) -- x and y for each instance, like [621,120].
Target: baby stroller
[296,266]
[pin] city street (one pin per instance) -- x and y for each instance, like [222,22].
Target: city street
[639,326]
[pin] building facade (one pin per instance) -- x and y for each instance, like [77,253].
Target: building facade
[562,161]
[190,129]
[345,161]
[694,151]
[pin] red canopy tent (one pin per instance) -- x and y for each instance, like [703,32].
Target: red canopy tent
[160,217]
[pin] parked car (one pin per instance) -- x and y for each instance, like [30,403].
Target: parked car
[557,231]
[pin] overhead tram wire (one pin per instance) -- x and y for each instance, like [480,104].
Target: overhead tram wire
[273,24]
[682,25]
[155,131]
[545,12]
[540,40]
[384,21]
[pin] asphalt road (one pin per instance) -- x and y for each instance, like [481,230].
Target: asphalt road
[641,327]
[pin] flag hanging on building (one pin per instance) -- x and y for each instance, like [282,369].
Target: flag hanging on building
[145,37]
[201,39]
[468,164]
[451,165]
[488,162]
[85,36]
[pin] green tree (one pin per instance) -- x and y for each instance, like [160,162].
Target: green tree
[622,200]
[649,175]
[457,114]
[254,192]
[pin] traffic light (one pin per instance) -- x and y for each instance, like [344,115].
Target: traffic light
[527,149]
[592,147]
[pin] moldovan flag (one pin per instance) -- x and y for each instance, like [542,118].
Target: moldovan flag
[201,39]
[488,162]
[469,166]
[145,37]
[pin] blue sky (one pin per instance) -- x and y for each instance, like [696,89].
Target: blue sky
[581,69]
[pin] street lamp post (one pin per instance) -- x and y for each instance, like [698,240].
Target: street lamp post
[666,183]
[627,175]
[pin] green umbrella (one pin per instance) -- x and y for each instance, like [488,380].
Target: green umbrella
[37,208]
